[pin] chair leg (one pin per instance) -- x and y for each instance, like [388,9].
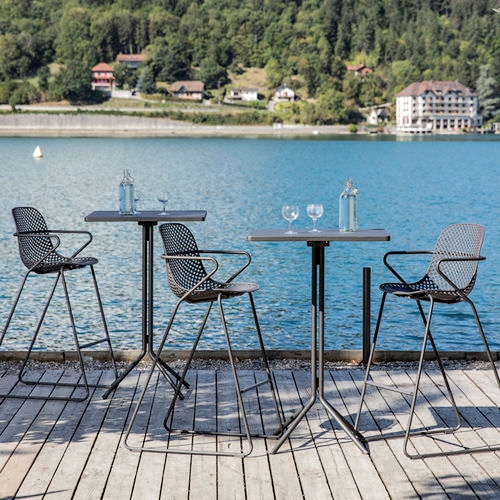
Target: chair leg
[104,322]
[239,391]
[408,432]
[269,378]
[13,308]
[35,335]
[238,388]
[370,360]
[485,342]
[178,386]
[183,376]
[428,335]
[84,385]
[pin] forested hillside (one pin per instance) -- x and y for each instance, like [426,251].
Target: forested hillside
[307,44]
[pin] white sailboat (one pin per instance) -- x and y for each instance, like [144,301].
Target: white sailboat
[37,153]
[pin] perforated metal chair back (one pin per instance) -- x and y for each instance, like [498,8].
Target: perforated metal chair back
[183,275]
[32,249]
[455,242]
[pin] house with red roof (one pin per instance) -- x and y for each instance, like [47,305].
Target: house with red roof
[437,107]
[102,77]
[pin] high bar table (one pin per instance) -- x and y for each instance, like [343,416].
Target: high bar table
[147,219]
[318,240]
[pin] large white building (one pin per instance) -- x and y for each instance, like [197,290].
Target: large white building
[425,107]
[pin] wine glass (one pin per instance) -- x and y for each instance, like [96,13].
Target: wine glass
[137,199]
[290,213]
[163,199]
[315,211]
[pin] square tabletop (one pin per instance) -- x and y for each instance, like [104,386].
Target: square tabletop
[147,216]
[321,235]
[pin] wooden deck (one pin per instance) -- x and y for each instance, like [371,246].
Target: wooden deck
[58,450]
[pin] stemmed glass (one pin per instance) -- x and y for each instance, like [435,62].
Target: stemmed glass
[315,211]
[290,213]
[137,199]
[163,199]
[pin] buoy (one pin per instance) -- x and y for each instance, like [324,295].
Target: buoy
[37,153]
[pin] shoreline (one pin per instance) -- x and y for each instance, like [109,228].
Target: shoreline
[105,125]
[352,356]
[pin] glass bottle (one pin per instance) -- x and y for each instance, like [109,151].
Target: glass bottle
[348,210]
[127,194]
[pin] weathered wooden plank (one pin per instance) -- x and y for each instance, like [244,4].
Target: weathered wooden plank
[287,483]
[27,436]
[36,439]
[97,469]
[258,479]
[343,395]
[333,464]
[417,480]
[467,465]
[203,480]
[74,450]
[10,406]
[425,417]
[475,406]
[46,462]
[176,477]
[151,465]
[230,471]
[122,476]
[75,456]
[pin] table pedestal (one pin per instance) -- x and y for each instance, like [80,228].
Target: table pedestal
[147,314]
[147,219]
[317,355]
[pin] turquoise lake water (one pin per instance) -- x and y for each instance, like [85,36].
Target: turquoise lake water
[412,188]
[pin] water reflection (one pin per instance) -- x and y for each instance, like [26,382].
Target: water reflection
[411,188]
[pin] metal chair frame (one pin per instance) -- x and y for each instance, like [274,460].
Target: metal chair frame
[46,242]
[437,286]
[209,291]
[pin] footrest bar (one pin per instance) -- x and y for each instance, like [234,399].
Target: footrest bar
[90,344]
[254,386]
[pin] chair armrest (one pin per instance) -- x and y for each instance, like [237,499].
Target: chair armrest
[70,231]
[402,252]
[455,259]
[232,252]
[193,257]
[56,241]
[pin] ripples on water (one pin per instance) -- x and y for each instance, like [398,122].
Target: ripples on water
[412,188]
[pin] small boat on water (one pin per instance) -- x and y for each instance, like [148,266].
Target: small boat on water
[37,153]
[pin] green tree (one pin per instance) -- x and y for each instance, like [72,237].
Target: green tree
[171,59]
[74,83]
[15,56]
[211,74]
[488,97]
[146,83]
[274,73]
[25,93]
[74,41]
[43,78]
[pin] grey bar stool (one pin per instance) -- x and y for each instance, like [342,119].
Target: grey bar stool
[38,249]
[193,284]
[450,278]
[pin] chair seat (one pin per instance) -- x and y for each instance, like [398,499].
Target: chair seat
[420,291]
[66,263]
[226,290]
